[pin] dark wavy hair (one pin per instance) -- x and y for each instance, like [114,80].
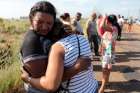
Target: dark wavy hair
[57,31]
[112,19]
[65,16]
[42,6]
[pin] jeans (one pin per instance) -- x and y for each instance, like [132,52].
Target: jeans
[93,40]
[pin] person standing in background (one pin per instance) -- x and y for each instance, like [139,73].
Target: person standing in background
[76,26]
[120,22]
[130,24]
[91,29]
[66,20]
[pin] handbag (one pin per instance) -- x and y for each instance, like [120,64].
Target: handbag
[61,89]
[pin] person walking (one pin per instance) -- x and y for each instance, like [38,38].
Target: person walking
[120,22]
[108,48]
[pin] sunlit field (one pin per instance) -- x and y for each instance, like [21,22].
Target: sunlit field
[11,33]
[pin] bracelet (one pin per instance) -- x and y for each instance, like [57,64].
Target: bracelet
[29,79]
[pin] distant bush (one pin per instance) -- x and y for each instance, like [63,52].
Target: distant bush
[6,54]
[14,25]
[9,63]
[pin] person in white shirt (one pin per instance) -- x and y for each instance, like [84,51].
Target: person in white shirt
[120,22]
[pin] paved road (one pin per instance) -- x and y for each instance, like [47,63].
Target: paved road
[125,76]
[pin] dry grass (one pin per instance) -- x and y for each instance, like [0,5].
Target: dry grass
[135,28]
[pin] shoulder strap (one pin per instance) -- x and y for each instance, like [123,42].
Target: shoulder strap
[65,90]
[78,45]
[67,85]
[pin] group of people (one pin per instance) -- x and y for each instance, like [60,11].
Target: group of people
[56,57]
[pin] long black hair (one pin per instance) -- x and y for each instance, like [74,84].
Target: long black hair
[113,20]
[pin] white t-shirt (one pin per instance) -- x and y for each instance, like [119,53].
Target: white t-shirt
[120,21]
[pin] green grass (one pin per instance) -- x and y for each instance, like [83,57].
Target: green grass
[10,73]
[14,26]
[10,77]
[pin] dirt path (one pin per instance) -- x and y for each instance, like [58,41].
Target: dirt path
[125,76]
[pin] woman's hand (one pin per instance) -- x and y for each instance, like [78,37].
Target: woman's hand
[24,75]
[82,64]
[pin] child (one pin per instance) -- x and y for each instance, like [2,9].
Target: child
[108,48]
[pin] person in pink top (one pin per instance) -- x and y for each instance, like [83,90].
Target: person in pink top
[99,28]
[108,47]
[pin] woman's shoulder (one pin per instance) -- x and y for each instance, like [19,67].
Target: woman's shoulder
[30,35]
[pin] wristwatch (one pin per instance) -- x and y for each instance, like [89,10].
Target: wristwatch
[29,79]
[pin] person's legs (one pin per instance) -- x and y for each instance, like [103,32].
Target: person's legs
[105,79]
[119,33]
[91,42]
[96,45]
[105,76]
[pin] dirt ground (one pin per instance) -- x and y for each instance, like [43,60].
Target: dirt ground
[125,75]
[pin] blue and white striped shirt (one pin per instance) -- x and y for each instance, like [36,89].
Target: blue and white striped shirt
[83,82]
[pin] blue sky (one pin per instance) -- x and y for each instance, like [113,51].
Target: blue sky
[17,8]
